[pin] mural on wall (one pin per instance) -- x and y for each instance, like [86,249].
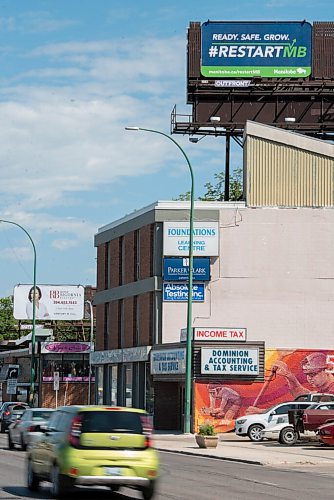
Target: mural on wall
[288,374]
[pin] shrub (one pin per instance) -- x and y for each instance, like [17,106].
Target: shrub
[206,430]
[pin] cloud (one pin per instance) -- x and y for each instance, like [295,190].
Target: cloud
[59,140]
[34,22]
[63,244]
[16,253]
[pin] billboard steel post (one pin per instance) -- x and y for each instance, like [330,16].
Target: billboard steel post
[187,402]
[33,334]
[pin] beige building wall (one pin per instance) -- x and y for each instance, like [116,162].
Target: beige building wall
[274,276]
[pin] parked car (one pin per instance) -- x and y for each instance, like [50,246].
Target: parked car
[325,433]
[315,397]
[252,425]
[94,445]
[9,412]
[284,432]
[29,427]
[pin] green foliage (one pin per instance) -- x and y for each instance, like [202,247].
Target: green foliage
[216,191]
[8,325]
[206,430]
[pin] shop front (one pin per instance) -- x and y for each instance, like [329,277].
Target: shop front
[123,377]
[68,362]
[216,365]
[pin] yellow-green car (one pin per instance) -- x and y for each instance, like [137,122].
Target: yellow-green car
[95,445]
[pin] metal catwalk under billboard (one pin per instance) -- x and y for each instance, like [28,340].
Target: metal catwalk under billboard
[53,302]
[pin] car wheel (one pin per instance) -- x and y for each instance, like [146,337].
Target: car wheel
[32,479]
[23,444]
[254,432]
[2,428]
[10,442]
[149,491]
[60,484]
[288,436]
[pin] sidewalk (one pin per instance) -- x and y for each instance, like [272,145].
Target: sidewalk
[233,448]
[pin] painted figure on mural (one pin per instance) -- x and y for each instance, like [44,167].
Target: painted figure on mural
[224,402]
[315,367]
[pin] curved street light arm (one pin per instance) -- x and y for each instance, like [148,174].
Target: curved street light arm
[33,333]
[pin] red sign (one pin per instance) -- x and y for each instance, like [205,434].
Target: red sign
[221,334]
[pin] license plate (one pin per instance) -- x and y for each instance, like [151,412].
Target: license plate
[113,471]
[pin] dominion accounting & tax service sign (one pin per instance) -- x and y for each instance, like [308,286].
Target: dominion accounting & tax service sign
[256,49]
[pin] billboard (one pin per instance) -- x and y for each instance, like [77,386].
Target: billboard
[177,269]
[53,302]
[205,238]
[256,49]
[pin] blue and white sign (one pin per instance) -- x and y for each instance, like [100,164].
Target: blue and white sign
[256,49]
[233,361]
[177,269]
[205,239]
[168,361]
[179,292]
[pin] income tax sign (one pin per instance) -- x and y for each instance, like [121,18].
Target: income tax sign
[256,49]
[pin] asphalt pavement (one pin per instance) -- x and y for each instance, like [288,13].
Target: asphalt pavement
[233,448]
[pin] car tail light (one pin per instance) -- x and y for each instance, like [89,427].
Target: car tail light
[6,413]
[305,420]
[148,441]
[32,428]
[75,431]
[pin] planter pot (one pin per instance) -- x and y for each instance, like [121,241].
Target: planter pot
[206,441]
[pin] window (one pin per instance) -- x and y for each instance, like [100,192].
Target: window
[128,384]
[99,385]
[111,421]
[113,381]
[284,409]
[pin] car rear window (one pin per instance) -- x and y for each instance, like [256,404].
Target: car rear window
[111,421]
[17,408]
[41,415]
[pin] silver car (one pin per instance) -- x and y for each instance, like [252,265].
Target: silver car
[28,428]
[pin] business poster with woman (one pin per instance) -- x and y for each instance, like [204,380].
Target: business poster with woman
[52,302]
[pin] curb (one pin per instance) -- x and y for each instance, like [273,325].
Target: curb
[226,459]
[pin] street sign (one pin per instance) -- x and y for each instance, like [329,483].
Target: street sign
[11,385]
[56,381]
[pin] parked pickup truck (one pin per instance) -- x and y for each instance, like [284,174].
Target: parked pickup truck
[312,419]
[315,397]
[304,421]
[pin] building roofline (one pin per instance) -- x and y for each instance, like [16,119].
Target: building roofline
[171,204]
[289,138]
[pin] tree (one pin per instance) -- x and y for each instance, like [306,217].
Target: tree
[215,192]
[8,325]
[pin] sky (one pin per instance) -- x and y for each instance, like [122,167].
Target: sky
[73,75]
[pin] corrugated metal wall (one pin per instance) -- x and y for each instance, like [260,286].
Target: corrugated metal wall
[285,176]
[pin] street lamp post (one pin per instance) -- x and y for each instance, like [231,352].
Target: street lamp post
[187,402]
[91,343]
[33,334]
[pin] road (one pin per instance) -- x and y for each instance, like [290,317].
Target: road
[189,477]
